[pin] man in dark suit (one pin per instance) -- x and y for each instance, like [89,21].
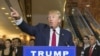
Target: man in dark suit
[94,49]
[18,49]
[46,35]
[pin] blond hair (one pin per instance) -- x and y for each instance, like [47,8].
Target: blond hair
[55,12]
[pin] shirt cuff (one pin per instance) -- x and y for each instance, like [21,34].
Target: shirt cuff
[19,21]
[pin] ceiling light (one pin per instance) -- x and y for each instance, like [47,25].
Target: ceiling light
[13,21]
[9,17]
[28,15]
[6,13]
[3,8]
[88,5]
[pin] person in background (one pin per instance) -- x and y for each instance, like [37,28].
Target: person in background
[79,46]
[1,44]
[31,42]
[85,44]
[50,34]
[8,50]
[75,41]
[18,49]
[16,42]
[93,49]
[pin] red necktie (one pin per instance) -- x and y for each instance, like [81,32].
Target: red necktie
[90,51]
[53,39]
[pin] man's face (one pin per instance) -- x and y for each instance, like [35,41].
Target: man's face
[86,40]
[16,43]
[92,40]
[53,20]
[31,43]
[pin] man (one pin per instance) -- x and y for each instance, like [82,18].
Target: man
[16,42]
[1,44]
[18,49]
[86,42]
[94,49]
[31,42]
[46,35]
[78,45]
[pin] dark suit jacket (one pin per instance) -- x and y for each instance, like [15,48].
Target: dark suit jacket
[96,51]
[19,51]
[42,34]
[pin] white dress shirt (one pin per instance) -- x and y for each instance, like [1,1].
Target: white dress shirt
[93,47]
[86,45]
[19,21]
[57,35]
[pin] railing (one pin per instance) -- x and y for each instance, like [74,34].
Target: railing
[94,25]
[90,18]
[78,24]
[81,23]
[69,26]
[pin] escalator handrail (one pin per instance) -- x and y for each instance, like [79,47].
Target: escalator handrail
[84,20]
[92,18]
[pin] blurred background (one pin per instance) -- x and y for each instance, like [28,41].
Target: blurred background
[81,17]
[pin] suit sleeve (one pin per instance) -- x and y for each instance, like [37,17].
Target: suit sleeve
[68,36]
[86,51]
[71,40]
[31,30]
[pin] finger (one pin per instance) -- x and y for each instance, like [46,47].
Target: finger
[13,14]
[13,9]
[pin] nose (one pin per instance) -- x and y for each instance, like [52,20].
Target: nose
[50,18]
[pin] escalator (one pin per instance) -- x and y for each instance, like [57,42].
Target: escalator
[75,28]
[80,24]
[93,24]
[71,26]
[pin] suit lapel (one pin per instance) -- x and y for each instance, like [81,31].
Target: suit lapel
[47,35]
[61,38]
[94,51]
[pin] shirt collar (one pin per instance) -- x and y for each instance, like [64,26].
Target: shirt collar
[57,29]
[93,45]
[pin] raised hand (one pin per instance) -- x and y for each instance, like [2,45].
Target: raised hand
[14,14]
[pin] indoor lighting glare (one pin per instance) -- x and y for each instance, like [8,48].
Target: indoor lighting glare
[6,13]
[9,17]
[13,21]
[3,8]
[64,6]
[88,5]
[28,15]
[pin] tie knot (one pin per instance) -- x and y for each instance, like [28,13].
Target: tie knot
[54,30]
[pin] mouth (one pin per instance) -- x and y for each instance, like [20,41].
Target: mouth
[50,23]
